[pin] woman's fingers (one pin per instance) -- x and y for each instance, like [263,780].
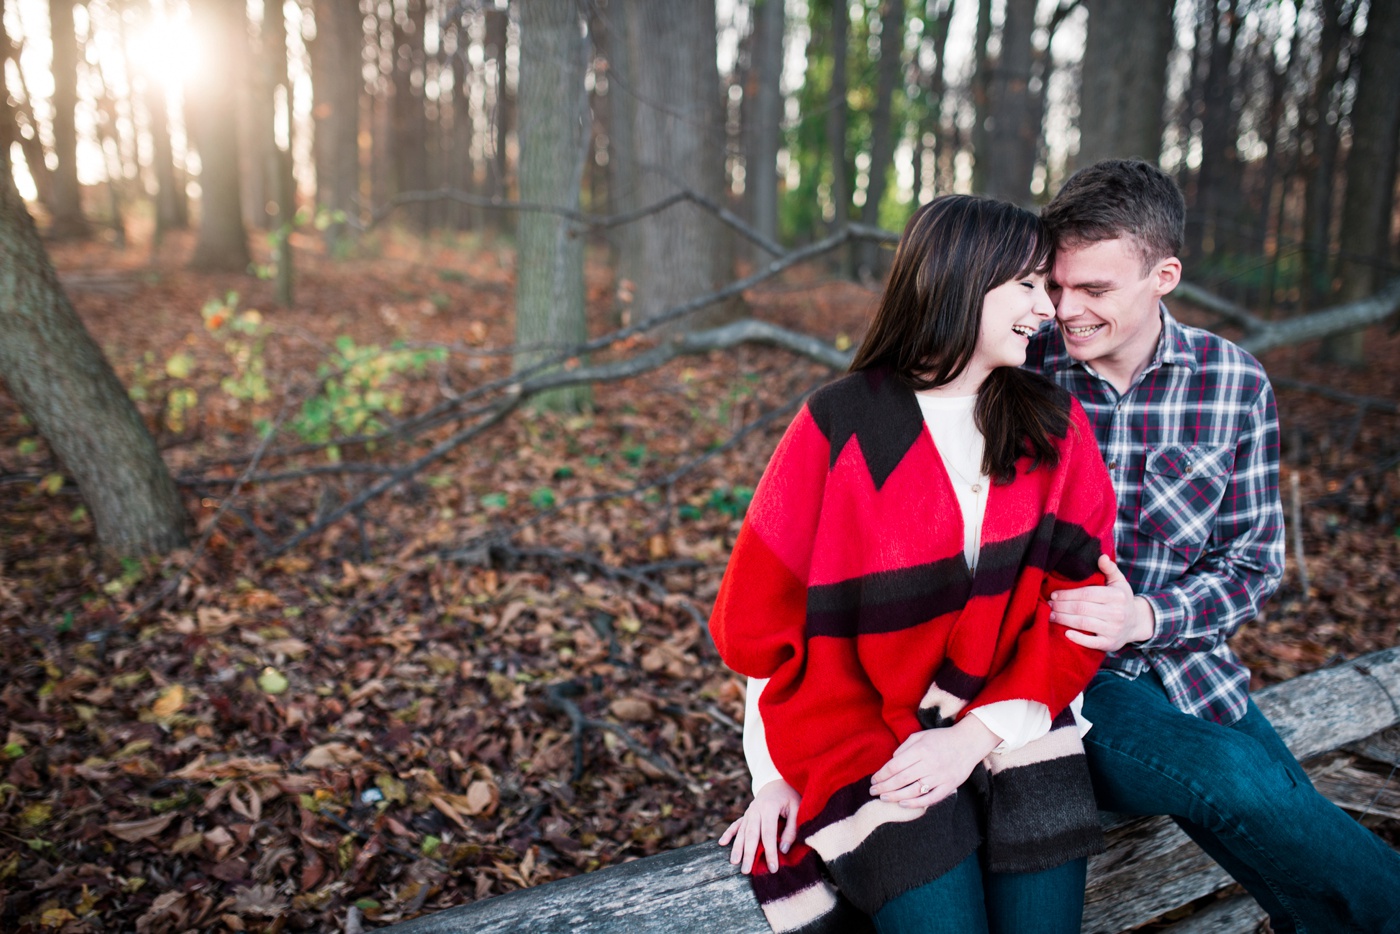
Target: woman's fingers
[935,795]
[768,833]
[751,836]
[728,835]
[790,831]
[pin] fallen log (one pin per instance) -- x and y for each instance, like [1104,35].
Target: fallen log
[1149,868]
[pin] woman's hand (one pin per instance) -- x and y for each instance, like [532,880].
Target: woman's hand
[931,764]
[775,800]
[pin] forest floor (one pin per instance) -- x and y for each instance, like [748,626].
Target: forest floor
[376,723]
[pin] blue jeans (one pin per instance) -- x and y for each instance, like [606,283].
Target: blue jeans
[1239,793]
[965,900]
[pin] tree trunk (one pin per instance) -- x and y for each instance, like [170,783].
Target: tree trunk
[836,121]
[981,95]
[554,136]
[68,220]
[463,169]
[1123,87]
[611,22]
[1322,122]
[679,135]
[882,136]
[1370,172]
[497,39]
[1015,131]
[279,159]
[409,121]
[31,145]
[340,39]
[765,120]
[171,203]
[1219,134]
[65,386]
[212,114]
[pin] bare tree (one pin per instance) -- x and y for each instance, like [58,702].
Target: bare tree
[65,386]
[68,220]
[837,117]
[765,113]
[882,135]
[679,137]
[1370,172]
[212,113]
[337,86]
[554,136]
[1124,80]
[1015,121]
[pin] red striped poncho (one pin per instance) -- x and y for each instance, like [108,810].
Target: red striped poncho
[849,590]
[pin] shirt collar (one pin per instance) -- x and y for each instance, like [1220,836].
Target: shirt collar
[1174,347]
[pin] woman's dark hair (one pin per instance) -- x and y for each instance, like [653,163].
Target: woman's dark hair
[955,250]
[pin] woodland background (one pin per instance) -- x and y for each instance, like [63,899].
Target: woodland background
[384,395]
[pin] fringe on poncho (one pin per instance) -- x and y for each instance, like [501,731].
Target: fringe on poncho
[849,591]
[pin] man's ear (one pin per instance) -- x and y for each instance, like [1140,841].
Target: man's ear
[1166,275]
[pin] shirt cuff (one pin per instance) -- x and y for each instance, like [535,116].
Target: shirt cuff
[1169,611]
[1017,722]
[756,753]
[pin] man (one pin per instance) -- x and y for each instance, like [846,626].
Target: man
[1187,426]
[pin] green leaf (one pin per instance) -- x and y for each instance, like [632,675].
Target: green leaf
[179,366]
[29,446]
[272,681]
[52,484]
[495,501]
[542,498]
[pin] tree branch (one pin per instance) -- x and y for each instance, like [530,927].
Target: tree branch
[1349,317]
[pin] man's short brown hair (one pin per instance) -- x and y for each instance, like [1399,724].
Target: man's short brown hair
[1120,198]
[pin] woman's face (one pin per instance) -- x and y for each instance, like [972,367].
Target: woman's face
[1011,313]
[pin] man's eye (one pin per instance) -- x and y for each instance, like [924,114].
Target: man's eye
[1096,293]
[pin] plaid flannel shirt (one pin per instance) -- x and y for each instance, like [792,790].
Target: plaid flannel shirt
[1192,448]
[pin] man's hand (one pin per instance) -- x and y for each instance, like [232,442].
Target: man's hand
[775,800]
[931,764]
[1104,618]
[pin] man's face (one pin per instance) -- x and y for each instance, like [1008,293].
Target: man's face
[1106,308]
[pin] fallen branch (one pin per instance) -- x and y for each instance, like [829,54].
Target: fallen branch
[1349,317]
[1337,395]
[558,695]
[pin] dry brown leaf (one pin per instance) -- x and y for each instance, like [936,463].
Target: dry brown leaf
[330,755]
[137,830]
[632,708]
[169,702]
[482,797]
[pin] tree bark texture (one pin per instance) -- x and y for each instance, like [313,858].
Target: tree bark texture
[68,220]
[337,86]
[981,94]
[1364,245]
[503,108]
[1218,179]
[611,24]
[212,114]
[65,386]
[554,136]
[1124,80]
[1015,124]
[837,117]
[679,135]
[1321,128]
[765,119]
[461,168]
[171,203]
[408,118]
[882,136]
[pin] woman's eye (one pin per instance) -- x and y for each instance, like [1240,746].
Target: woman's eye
[1029,285]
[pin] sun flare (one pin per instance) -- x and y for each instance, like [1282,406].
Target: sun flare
[168,51]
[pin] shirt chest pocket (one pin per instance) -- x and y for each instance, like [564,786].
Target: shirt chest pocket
[1182,486]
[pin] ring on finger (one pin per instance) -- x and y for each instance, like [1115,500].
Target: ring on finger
[924,788]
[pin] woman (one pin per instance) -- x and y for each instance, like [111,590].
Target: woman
[891,578]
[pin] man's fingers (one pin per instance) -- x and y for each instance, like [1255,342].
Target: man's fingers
[1110,570]
[1097,595]
[1099,643]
